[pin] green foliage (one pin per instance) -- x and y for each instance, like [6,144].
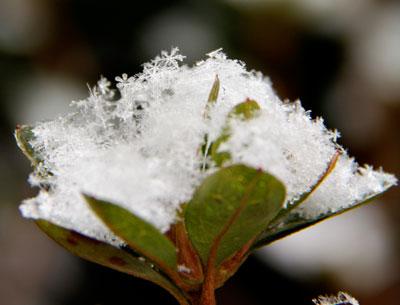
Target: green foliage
[213,96]
[231,207]
[245,111]
[141,236]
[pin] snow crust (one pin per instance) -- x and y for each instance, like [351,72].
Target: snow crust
[142,151]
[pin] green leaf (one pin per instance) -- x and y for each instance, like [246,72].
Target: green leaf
[293,223]
[231,207]
[243,111]
[286,222]
[141,236]
[109,256]
[213,96]
[212,99]
[24,135]
[220,157]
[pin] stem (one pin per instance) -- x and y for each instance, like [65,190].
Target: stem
[208,292]
[208,289]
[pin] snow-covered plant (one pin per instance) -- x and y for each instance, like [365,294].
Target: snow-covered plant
[190,170]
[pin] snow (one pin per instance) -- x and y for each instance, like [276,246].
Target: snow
[184,269]
[142,152]
[341,298]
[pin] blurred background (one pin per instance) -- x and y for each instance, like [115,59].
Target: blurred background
[341,58]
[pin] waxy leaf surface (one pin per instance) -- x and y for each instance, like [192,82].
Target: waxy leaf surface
[140,235]
[231,207]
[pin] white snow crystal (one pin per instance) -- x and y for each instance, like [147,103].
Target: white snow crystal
[142,151]
[341,299]
[184,269]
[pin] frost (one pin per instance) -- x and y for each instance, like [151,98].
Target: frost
[142,152]
[184,269]
[341,299]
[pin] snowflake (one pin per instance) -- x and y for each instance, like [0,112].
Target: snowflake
[165,62]
[123,81]
[341,299]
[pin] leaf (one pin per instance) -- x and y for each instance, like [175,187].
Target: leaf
[294,223]
[328,170]
[231,207]
[141,236]
[24,135]
[109,256]
[286,222]
[220,157]
[187,256]
[245,110]
[212,97]
[229,267]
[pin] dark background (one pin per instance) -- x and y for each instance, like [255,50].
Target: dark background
[341,58]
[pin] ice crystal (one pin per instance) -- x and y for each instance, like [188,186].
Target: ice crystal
[142,151]
[184,269]
[341,299]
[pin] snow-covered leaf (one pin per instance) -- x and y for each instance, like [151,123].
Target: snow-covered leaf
[24,135]
[293,222]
